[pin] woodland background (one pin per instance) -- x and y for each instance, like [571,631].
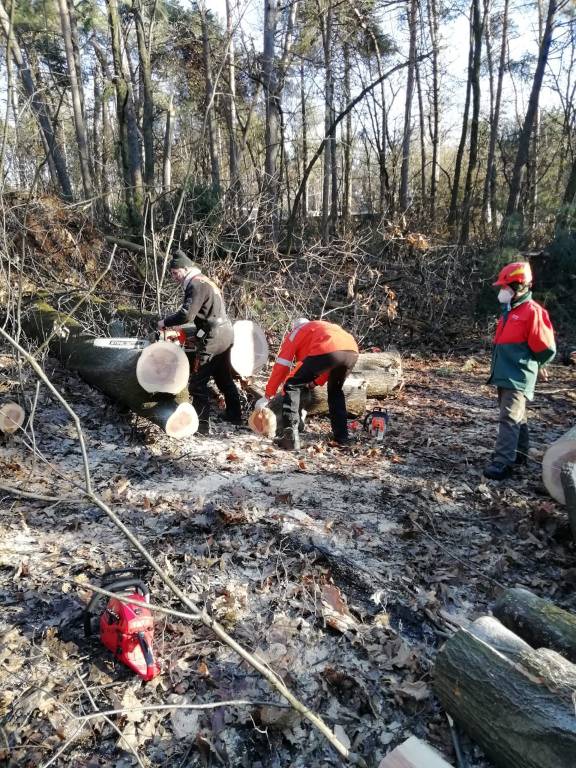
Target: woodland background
[409,147]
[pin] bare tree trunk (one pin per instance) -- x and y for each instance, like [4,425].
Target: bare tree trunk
[326,29]
[453,212]
[534,155]
[167,159]
[209,103]
[304,204]
[272,128]
[127,123]
[434,127]
[147,95]
[488,194]
[477,31]
[407,135]
[232,117]
[528,125]
[347,153]
[40,109]
[423,161]
[77,100]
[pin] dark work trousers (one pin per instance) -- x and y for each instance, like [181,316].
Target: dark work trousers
[513,435]
[206,366]
[339,365]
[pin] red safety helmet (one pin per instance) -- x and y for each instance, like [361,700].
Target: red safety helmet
[517,272]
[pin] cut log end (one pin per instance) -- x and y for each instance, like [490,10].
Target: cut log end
[11,417]
[163,367]
[263,422]
[183,422]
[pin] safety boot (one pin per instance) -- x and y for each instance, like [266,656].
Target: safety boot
[289,440]
[496,471]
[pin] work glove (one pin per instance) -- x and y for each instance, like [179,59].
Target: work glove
[262,403]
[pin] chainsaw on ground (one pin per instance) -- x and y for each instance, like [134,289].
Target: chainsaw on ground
[376,422]
[126,629]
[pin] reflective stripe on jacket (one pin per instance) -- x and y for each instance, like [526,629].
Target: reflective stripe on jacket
[314,338]
[524,341]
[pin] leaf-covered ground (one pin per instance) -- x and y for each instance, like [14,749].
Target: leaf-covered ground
[344,570]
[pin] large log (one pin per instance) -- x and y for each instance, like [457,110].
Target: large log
[382,372]
[541,623]
[561,452]
[315,401]
[150,379]
[520,712]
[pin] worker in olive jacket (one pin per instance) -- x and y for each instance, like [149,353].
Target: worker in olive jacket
[203,305]
[523,344]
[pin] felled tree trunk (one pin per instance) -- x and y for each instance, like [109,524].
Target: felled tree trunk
[562,451]
[12,417]
[541,623]
[382,371]
[315,401]
[519,711]
[150,379]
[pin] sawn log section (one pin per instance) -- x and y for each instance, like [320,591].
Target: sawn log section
[112,369]
[519,710]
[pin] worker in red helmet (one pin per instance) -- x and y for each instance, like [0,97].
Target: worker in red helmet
[523,344]
[312,353]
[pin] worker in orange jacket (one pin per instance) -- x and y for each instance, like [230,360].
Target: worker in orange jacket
[312,353]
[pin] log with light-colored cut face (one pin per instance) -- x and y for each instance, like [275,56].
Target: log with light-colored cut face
[11,417]
[563,451]
[163,367]
[183,422]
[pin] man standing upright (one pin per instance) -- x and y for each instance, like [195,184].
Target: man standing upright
[203,305]
[523,344]
[322,352]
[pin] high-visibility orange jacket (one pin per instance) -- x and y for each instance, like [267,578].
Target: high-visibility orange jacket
[314,338]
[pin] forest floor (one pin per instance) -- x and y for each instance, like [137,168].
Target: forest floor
[344,570]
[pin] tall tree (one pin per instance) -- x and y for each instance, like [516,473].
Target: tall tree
[435,108]
[209,106]
[407,134]
[478,21]
[56,157]
[77,94]
[489,193]
[523,150]
[144,46]
[127,122]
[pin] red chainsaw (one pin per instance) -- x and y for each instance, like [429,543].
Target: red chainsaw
[126,629]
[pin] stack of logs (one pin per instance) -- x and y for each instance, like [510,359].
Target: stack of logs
[509,681]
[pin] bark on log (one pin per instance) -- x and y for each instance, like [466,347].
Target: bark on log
[561,452]
[382,372]
[541,623]
[568,480]
[315,401]
[12,417]
[118,366]
[514,710]
[499,637]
